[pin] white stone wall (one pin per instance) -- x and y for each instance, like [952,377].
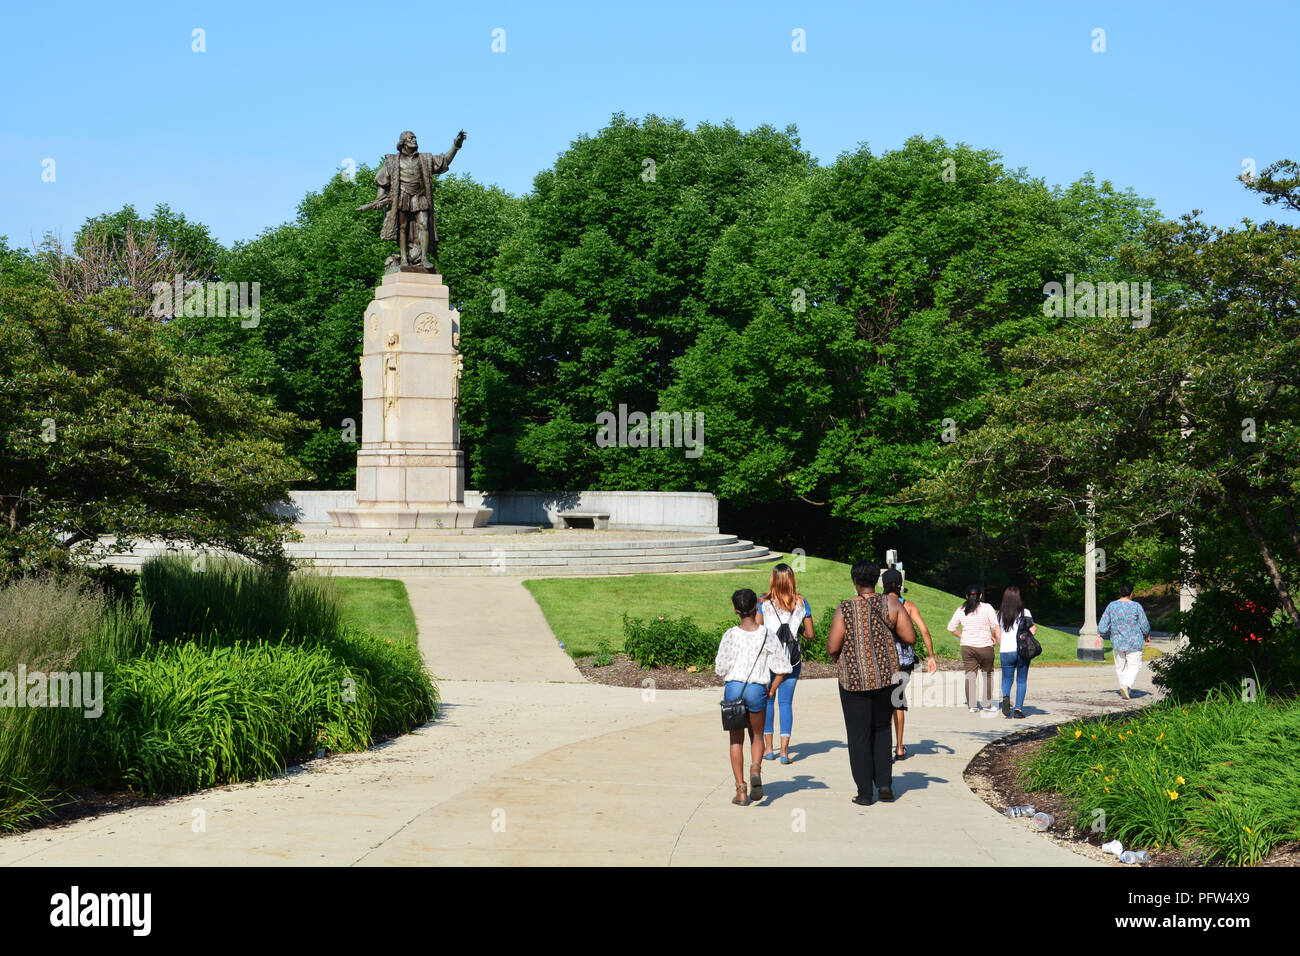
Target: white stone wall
[628,510]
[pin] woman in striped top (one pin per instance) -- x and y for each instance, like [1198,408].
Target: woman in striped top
[977,621]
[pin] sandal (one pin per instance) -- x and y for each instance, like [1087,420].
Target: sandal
[741,799]
[755,783]
[902,756]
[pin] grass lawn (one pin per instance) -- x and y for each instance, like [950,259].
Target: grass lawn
[378,606]
[585,611]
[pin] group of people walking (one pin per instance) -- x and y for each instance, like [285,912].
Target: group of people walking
[872,641]
[980,629]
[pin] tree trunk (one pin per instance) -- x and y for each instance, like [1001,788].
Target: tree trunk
[1270,562]
[1291,530]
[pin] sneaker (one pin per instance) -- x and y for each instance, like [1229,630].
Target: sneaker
[974,710]
[887,794]
[1006,706]
[1018,714]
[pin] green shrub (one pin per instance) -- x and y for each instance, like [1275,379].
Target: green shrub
[1230,636]
[815,650]
[1219,776]
[671,642]
[204,704]
[405,695]
[237,600]
[602,657]
[184,716]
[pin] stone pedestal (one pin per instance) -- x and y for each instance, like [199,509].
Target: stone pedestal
[410,469]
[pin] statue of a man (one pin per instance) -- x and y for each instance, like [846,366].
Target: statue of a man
[405,184]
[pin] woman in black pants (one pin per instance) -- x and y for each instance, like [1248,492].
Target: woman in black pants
[861,642]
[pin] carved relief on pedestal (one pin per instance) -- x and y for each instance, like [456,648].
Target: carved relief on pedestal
[426,325]
[391,385]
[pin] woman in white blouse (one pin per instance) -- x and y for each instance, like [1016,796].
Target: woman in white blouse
[748,656]
[978,623]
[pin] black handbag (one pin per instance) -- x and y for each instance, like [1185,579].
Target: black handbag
[1026,646]
[735,715]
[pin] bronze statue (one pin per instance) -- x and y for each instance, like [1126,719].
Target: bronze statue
[405,184]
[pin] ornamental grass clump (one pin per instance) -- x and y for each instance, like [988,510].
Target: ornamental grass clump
[237,601]
[405,695]
[50,625]
[212,672]
[186,716]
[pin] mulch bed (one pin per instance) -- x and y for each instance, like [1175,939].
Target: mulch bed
[994,776]
[625,672]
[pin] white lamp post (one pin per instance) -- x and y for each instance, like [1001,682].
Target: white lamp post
[1089,646]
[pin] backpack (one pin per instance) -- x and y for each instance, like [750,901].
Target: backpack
[1026,646]
[788,640]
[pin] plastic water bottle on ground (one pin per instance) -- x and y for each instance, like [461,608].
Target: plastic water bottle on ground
[1114,846]
[1018,812]
[1128,856]
[1043,821]
[1141,856]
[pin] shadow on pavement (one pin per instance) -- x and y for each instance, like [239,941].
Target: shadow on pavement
[780,788]
[915,747]
[913,780]
[801,750]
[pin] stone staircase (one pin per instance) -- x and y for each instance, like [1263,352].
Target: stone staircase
[538,555]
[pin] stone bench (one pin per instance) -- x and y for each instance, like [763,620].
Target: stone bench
[598,520]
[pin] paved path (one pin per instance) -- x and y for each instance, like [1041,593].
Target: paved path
[528,763]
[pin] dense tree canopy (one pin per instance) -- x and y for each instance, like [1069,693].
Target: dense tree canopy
[601,288]
[105,430]
[1192,421]
[836,327]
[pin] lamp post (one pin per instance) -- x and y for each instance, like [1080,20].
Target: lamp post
[1089,646]
[1186,592]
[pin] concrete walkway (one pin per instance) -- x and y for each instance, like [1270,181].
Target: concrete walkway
[528,763]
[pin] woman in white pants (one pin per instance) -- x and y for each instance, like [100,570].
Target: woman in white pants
[1125,624]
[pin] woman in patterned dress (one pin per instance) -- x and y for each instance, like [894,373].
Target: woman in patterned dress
[862,642]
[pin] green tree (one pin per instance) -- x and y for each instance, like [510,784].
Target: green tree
[188,243]
[863,315]
[601,290]
[106,431]
[1191,422]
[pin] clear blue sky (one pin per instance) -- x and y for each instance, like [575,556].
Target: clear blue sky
[235,137]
